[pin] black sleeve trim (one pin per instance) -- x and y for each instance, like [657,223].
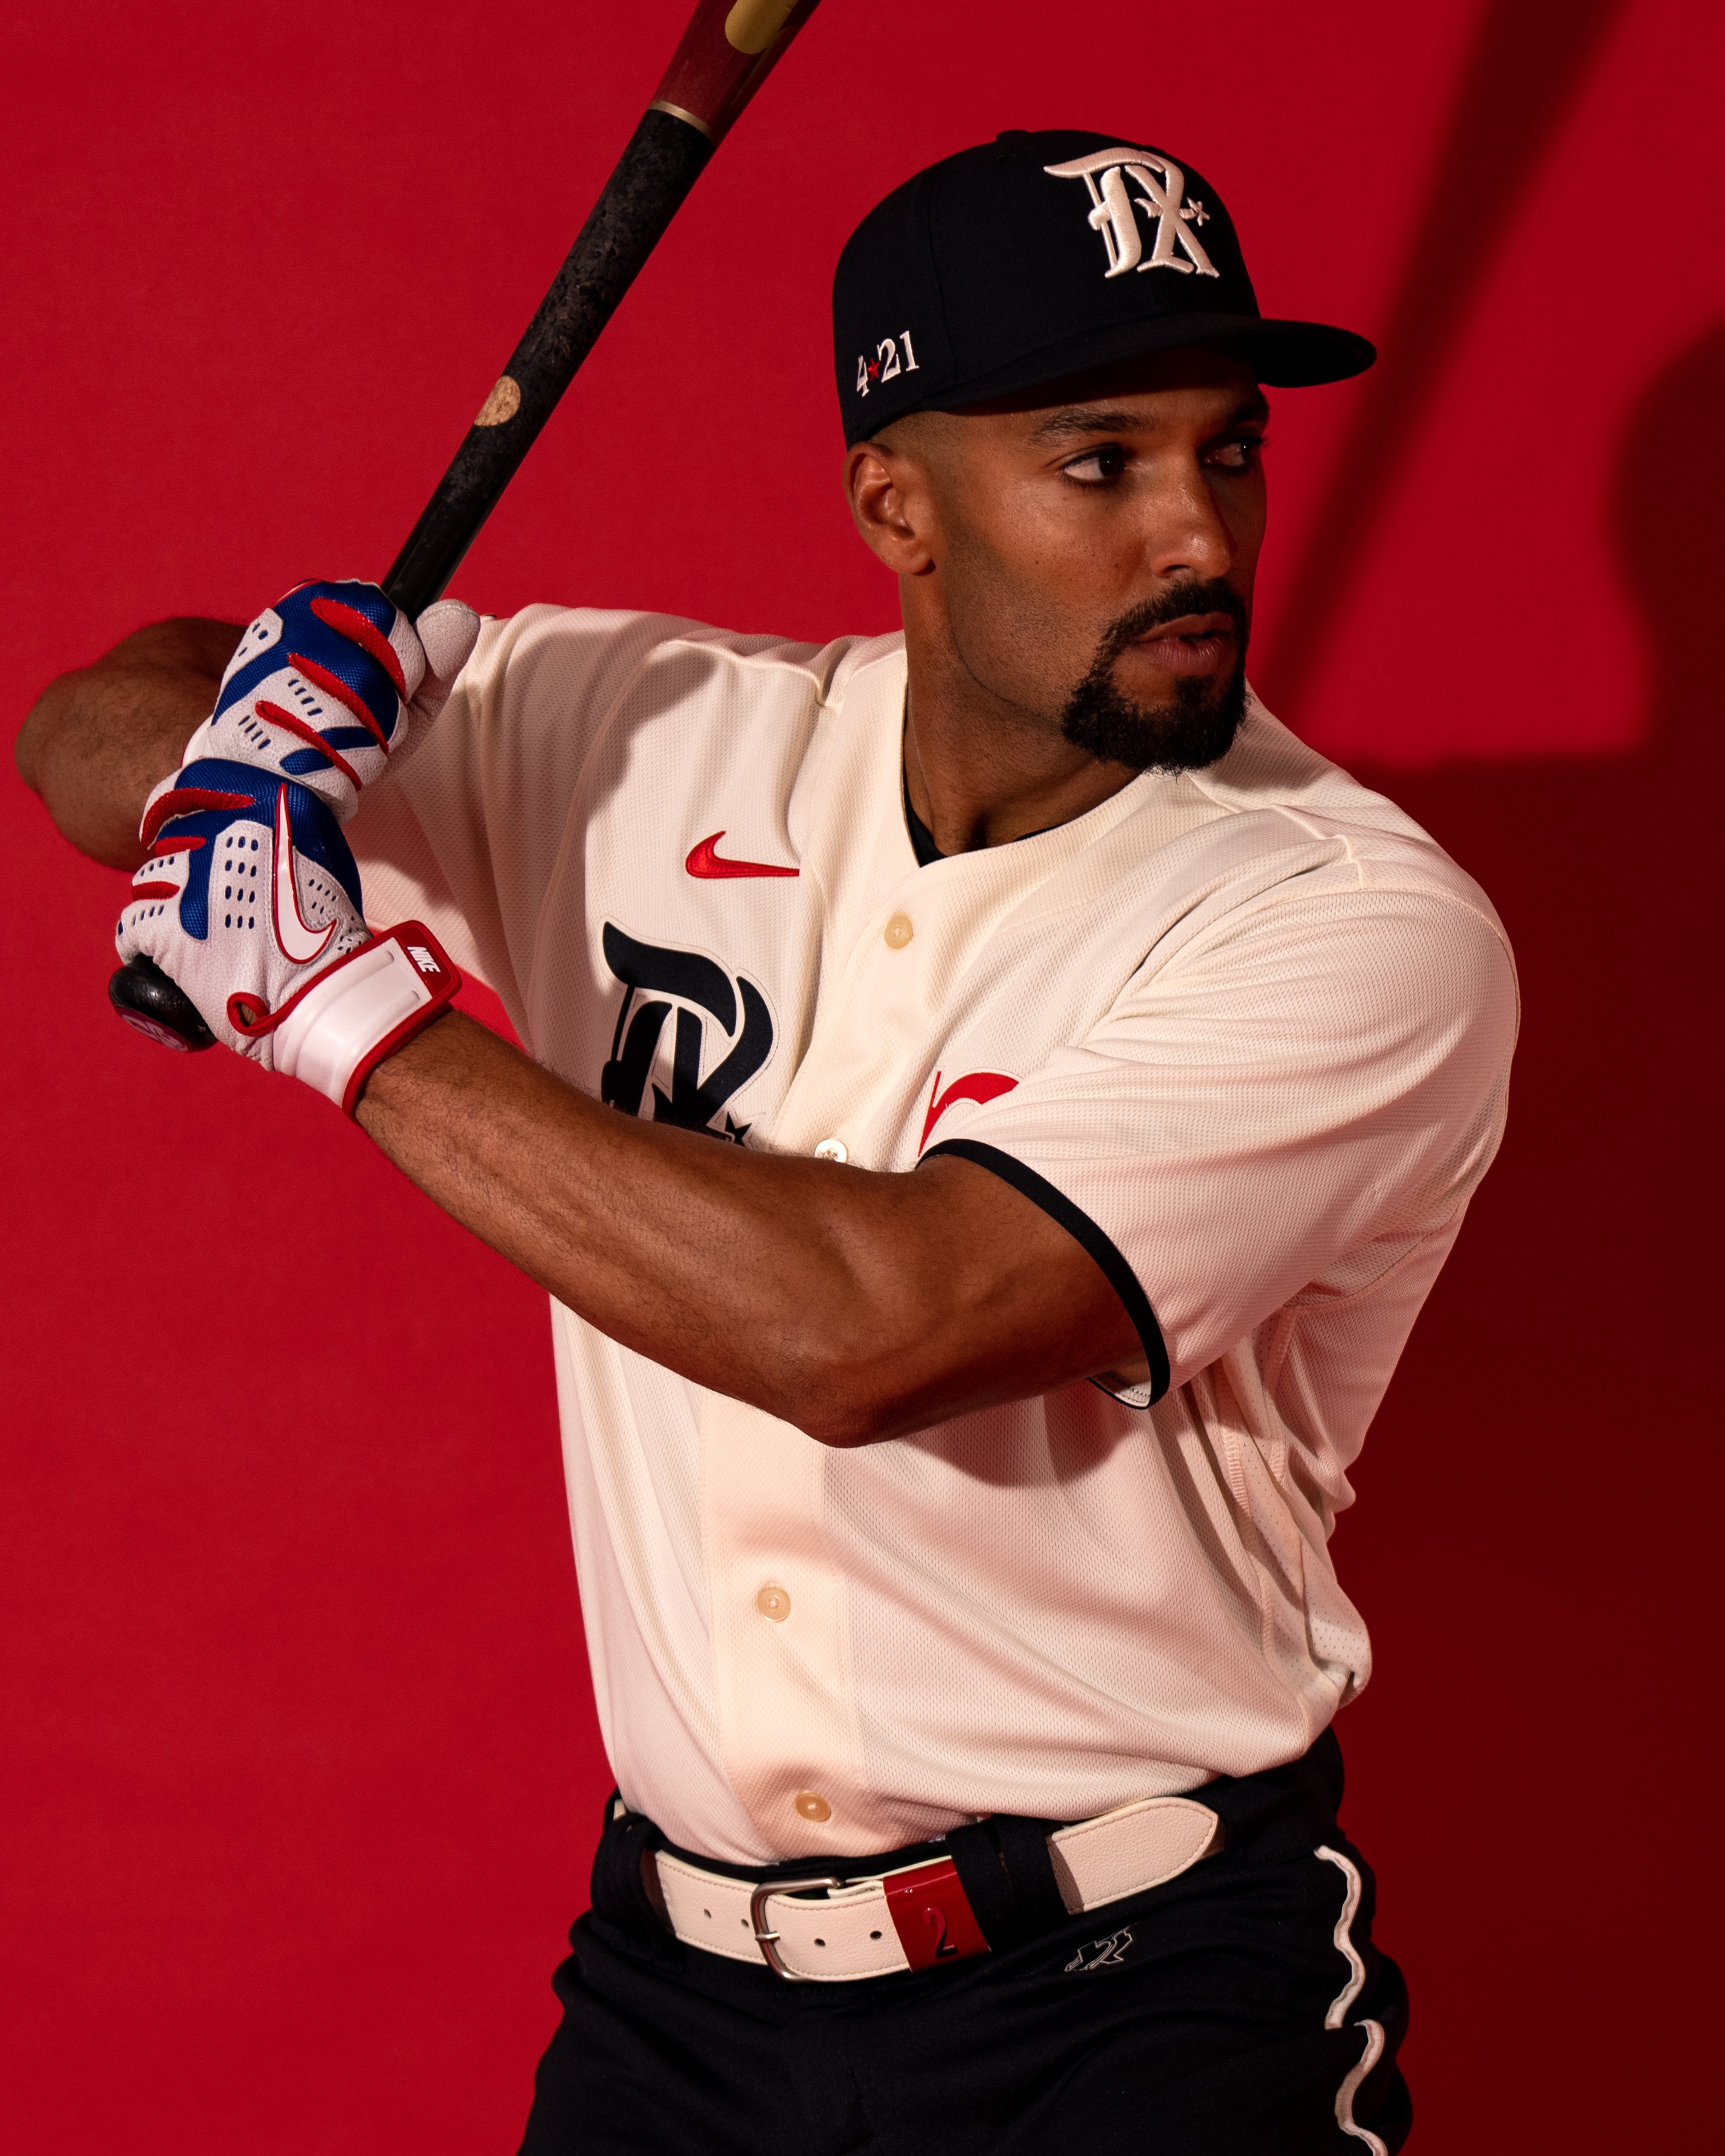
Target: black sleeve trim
[1077,1224]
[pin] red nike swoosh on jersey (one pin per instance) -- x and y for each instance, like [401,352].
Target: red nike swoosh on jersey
[704,862]
[979,1085]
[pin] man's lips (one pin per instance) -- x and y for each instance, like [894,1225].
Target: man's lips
[1194,643]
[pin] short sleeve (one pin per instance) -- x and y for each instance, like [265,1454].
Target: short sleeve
[1296,1102]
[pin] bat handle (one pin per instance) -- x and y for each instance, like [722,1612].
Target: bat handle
[654,173]
[728,50]
[144,997]
[661,164]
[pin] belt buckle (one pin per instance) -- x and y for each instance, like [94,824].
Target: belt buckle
[768,1941]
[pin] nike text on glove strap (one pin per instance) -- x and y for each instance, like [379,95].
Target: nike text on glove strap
[336,1030]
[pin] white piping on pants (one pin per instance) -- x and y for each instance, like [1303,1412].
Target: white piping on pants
[1338,2015]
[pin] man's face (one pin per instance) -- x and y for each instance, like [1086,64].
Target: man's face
[1085,553]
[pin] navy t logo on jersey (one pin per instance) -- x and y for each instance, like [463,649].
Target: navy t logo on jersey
[697,990]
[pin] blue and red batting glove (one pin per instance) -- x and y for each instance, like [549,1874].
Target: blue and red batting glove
[333,685]
[251,898]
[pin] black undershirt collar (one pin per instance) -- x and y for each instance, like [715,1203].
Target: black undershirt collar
[922,843]
[921,838]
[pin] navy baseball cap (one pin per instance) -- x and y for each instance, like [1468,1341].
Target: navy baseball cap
[1040,255]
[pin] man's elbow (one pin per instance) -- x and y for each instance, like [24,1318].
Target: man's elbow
[876,1347]
[847,1395]
[836,1386]
[840,1411]
[29,747]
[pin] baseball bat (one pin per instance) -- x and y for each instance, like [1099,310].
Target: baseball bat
[725,53]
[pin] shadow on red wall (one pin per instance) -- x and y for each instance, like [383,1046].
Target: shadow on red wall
[1528,61]
[1531,1552]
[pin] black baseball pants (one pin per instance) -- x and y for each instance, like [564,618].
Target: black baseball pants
[1241,2009]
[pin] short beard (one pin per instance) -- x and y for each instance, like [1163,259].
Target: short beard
[1197,723]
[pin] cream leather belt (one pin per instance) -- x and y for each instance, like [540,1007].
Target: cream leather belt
[917,1917]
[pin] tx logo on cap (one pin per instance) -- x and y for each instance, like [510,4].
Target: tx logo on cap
[1114,210]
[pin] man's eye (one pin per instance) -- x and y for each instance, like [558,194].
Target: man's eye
[1105,463]
[1239,455]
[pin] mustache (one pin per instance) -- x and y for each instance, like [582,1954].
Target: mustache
[1196,597]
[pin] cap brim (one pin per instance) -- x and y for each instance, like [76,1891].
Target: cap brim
[1286,355]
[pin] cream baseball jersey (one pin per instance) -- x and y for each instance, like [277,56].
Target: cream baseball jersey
[1245,1032]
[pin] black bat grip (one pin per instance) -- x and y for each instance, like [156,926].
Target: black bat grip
[664,157]
[144,997]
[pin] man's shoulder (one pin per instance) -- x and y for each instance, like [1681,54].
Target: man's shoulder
[1294,797]
[546,662]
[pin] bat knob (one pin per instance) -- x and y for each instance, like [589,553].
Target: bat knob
[146,998]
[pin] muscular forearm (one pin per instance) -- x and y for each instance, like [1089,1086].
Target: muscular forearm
[101,738]
[856,1306]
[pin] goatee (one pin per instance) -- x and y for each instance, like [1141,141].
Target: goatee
[1198,722]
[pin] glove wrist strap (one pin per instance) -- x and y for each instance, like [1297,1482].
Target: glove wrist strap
[341,1025]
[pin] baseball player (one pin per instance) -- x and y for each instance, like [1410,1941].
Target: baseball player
[995,1103]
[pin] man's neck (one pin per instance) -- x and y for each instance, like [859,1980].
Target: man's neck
[980,772]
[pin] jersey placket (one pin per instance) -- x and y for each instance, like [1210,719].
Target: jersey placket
[787,1695]
[784,1676]
[785,1680]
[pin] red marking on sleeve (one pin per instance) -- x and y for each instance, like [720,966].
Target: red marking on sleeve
[347,621]
[185,801]
[169,846]
[296,727]
[155,890]
[978,1086]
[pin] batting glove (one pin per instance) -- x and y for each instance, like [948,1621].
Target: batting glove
[333,685]
[250,902]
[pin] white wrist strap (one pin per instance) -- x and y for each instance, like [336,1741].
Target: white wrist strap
[341,1026]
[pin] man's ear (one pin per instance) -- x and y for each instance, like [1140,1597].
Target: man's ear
[891,506]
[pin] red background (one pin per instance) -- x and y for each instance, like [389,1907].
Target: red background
[299,1766]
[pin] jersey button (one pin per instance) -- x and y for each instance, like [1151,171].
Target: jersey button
[813,1806]
[774,1602]
[832,1149]
[899,931]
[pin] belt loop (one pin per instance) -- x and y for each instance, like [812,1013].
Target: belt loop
[1009,1879]
[1280,1812]
[621,1903]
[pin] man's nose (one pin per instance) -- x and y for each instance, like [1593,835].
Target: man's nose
[1186,536]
